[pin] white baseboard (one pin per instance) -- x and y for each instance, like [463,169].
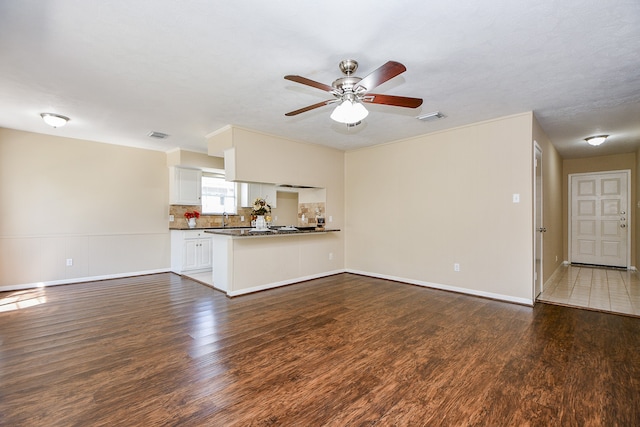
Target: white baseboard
[473,292]
[80,280]
[282,283]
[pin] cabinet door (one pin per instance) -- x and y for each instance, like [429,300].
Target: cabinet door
[186,186]
[269,193]
[205,253]
[190,256]
[262,191]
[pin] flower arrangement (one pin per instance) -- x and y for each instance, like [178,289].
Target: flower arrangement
[260,207]
[194,214]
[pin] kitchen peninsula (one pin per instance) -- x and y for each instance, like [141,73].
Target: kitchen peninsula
[245,260]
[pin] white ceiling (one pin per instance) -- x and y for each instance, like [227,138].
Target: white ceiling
[123,68]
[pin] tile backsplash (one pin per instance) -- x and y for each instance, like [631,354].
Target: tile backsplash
[207,221]
[309,210]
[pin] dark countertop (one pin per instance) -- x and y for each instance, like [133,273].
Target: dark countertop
[207,228]
[247,232]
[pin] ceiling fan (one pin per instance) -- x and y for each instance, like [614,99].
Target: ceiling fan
[351,91]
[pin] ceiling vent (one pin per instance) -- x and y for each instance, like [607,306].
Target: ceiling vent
[429,117]
[157,135]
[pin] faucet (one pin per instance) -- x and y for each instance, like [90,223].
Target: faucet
[224,216]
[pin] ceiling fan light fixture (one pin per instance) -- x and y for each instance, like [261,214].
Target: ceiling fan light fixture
[596,140]
[349,112]
[54,120]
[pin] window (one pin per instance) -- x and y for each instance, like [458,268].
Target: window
[218,195]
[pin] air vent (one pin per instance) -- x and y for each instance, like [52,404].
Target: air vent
[436,115]
[157,135]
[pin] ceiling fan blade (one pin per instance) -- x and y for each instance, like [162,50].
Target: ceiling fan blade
[398,101]
[309,82]
[381,75]
[311,107]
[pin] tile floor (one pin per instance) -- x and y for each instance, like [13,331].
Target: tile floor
[204,277]
[601,289]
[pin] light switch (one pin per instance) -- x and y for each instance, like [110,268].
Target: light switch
[516,198]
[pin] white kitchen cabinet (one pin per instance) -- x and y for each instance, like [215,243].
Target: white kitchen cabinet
[191,251]
[253,191]
[185,186]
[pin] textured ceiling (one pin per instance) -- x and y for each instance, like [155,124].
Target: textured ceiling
[123,68]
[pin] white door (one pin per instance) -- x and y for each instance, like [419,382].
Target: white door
[599,218]
[538,227]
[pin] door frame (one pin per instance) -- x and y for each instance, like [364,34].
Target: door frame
[628,210]
[538,212]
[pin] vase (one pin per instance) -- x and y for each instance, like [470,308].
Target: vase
[261,224]
[191,222]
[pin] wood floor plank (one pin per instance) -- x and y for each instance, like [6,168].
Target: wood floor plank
[341,350]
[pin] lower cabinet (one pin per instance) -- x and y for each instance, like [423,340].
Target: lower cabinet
[191,251]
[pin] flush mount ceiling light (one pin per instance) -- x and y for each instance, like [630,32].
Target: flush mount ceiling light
[596,140]
[54,120]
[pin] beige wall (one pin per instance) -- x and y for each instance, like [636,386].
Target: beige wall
[552,203]
[415,207]
[599,164]
[104,206]
[287,209]
[179,157]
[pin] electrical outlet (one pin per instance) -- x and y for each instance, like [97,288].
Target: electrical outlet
[241,217]
[330,218]
[456,267]
[171,218]
[275,218]
[516,198]
[330,255]
[69,262]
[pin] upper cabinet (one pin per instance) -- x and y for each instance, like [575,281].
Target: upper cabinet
[185,186]
[249,192]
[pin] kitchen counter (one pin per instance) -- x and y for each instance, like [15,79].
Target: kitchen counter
[206,228]
[246,261]
[272,232]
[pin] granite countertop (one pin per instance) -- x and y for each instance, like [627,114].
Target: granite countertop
[208,228]
[272,232]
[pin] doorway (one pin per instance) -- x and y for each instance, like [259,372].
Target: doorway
[538,228]
[599,217]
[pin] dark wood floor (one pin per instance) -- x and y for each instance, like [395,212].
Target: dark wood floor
[338,351]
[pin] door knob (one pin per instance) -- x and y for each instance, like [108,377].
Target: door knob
[623,225]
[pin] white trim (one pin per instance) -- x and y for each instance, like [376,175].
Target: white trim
[282,283]
[80,280]
[473,292]
[536,226]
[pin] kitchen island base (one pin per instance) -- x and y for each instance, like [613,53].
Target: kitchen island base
[244,265]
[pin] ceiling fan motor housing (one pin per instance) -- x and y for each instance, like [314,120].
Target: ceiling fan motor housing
[348,66]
